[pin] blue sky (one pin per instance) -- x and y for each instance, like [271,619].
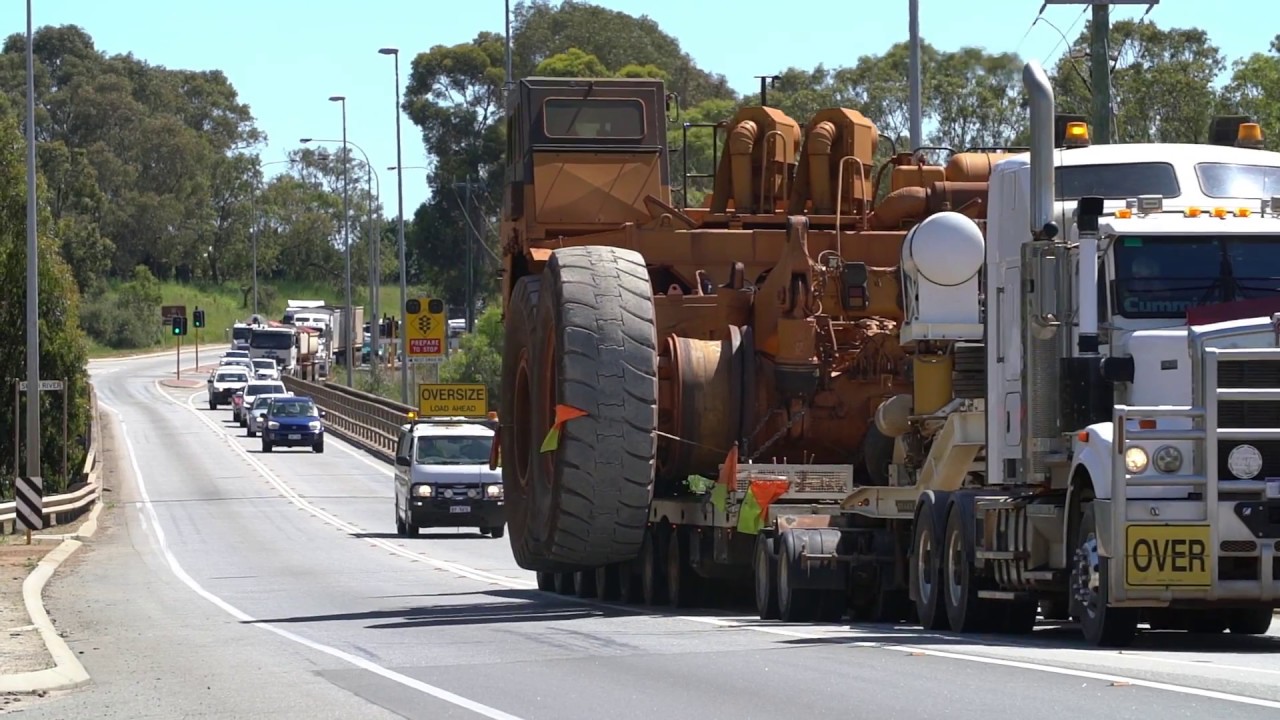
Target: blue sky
[286,57]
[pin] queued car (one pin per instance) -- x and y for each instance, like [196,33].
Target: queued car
[224,382]
[265,369]
[239,410]
[442,477]
[245,363]
[293,421]
[257,411]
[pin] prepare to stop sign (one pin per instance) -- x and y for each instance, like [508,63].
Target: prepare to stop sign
[424,346]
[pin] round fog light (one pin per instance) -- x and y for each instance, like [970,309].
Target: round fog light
[1168,459]
[1135,460]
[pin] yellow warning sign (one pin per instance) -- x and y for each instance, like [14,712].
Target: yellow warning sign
[452,400]
[426,328]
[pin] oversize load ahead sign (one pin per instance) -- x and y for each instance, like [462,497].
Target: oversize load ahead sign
[440,400]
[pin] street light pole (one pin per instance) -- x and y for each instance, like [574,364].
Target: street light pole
[404,289]
[33,275]
[349,319]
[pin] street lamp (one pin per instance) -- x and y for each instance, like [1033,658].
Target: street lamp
[253,202]
[404,287]
[374,274]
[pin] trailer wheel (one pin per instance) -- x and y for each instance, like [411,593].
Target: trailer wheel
[607,582]
[794,604]
[682,581]
[766,577]
[564,583]
[584,583]
[1102,626]
[926,570]
[1250,621]
[966,612]
[653,578]
[630,586]
[516,408]
[546,581]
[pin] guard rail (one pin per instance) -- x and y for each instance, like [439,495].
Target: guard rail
[371,421]
[68,506]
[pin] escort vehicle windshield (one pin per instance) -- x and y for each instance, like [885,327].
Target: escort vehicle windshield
[453,450]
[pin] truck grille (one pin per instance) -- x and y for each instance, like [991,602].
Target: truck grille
[1251,375]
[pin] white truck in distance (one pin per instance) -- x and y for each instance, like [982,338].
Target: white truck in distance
[276,343]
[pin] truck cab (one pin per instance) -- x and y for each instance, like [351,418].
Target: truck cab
[443,477]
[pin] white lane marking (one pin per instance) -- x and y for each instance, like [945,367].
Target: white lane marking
[472,573]
[239,614]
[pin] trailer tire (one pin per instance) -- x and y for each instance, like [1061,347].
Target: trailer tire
[597,352]
[966,612]
[653,578]
[765,570]
[607,582]
[794,604]
[516,410]
[1251,621]
[682,581]
[1102,626]
[926,570]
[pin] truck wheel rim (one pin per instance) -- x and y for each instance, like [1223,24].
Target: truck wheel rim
[955,565]
[1087,580]
[924,562]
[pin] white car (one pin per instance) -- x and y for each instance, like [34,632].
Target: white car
[251,392]
[224,383]
[265,369]
[258,410]
[236,354]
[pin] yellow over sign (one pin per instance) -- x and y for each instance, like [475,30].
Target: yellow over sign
[440,400]
[1167,556]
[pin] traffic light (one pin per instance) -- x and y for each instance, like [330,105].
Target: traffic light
[197,318]
[180,325]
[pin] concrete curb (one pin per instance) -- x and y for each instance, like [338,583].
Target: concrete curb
[67,672]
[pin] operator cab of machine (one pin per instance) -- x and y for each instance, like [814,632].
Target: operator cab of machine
[443,476]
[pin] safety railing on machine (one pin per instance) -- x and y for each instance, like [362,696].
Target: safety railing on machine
[371,421]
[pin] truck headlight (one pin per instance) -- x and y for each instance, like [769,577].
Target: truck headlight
[273,425]
[313,425]
[422,491]
[1168,459]
[1135,460]
[493,492]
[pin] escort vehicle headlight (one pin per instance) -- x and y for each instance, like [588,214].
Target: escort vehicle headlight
[313,425]
[273,425]
[1136,460]
[1168,459]
[493,492]
[422,491]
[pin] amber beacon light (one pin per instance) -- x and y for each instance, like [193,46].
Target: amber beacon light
[1249,135]
[1077,135]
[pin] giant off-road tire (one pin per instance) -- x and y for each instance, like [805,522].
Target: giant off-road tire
[516,410]
[597,349]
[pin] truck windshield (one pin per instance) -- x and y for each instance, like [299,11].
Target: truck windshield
[241,333]
[1161,277]
[1116,180]
[453,450]
[1232,180]
[271,341]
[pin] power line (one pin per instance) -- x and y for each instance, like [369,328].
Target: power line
[1064,35]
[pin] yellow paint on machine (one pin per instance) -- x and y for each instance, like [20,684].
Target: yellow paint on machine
[1168,556]
[452,400]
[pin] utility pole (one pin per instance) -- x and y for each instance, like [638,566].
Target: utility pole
[471,251]
[1100,74]
[913,73]
[31,488]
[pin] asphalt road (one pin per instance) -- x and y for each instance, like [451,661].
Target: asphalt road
[231,583]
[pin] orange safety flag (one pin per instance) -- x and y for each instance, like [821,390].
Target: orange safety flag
[755,506]
[727,481]
[564,413]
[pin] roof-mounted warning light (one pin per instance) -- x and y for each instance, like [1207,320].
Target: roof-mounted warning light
[1249,135]
[1077,135]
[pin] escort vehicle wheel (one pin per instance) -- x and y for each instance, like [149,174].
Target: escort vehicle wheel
[1102,626]
[966,612]
[597,353]
[266,446]
[682,581]
[401,529]
[607,582]
[546,581]
[653,581]
[213,405]
[497,532]
[517,446]
[318,447]
[926,571]
[794,604]
[765,570]
[1250,621]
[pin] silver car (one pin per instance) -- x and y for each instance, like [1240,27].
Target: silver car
[259,409]
[251,392]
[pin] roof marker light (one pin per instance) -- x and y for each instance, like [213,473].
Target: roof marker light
[1192,212]
[1219,212]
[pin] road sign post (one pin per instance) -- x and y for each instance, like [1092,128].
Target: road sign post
[28,491]
[426,330]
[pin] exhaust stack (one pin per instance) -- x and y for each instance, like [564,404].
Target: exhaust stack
[1043,112]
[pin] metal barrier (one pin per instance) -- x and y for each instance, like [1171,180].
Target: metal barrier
[373,422]
[88,488]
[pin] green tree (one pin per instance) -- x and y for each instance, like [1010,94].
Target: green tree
[63,352]
[479,358]
[1254,90]
[572,63]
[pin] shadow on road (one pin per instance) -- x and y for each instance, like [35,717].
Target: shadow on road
[423,536]
[523,606]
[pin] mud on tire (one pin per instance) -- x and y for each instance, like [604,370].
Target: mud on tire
[597,352]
